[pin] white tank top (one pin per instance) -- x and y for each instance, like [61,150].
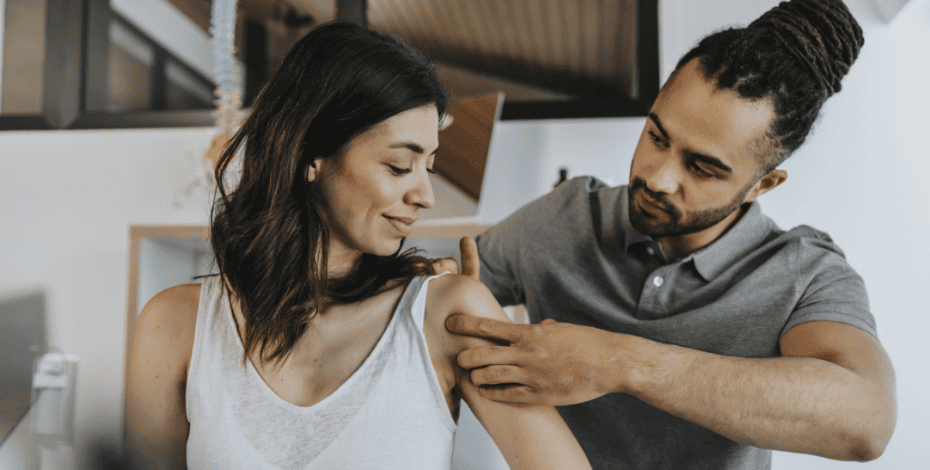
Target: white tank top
[390,414]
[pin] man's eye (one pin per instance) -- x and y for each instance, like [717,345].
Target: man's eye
[700,171]
[430,170]
[656,139]
[398,171]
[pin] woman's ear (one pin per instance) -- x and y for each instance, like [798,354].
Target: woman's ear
[313,169]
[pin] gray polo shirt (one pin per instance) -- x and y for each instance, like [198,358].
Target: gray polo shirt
[573,256]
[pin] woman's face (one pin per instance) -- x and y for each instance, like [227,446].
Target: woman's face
[373,193]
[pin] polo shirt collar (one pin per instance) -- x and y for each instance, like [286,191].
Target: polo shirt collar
[744,236]
[615,219]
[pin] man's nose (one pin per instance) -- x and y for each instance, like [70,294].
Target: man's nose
[665,177]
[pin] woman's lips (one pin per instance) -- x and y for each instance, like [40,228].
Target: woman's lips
[402,224]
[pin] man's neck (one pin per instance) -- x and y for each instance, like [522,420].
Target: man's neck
[680,246]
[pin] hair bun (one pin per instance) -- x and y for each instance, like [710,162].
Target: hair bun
[821,34]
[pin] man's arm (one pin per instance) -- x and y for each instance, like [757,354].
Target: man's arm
[832,393]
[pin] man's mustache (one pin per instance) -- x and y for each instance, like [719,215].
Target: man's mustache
[658,199]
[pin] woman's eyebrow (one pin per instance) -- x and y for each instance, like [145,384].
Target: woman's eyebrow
[412,146]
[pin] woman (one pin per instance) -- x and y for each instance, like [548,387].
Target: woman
[320,345]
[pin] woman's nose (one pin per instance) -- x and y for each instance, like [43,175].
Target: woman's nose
[421,192]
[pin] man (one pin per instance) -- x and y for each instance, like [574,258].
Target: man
[678,326]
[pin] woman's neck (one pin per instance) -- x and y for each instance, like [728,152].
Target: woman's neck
[340,260]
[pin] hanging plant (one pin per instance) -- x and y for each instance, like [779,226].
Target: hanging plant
[226,69]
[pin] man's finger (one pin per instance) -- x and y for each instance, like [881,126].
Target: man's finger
[469,252]
[445,265]
[497,375]
[473,358]
[484,328]
[509,393]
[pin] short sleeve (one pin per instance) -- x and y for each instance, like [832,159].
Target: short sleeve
[834,291]
[499,255]
[501,249]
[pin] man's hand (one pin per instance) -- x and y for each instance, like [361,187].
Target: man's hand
[549,363]
[470,264]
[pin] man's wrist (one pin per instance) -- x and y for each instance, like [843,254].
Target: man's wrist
[626,363]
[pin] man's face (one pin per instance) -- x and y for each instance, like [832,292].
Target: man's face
[695,162]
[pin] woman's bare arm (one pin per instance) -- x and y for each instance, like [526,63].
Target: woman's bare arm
[529,436]
[155,415]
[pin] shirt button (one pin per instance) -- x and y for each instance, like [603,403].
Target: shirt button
[650,250]
[657,281]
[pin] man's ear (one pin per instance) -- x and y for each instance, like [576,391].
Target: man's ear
[314,168]
[770,181]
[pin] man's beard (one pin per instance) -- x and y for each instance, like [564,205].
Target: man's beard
[651,225]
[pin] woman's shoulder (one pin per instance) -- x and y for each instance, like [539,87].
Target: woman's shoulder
[165,327]
[455,293]
[175,306]
[156,374]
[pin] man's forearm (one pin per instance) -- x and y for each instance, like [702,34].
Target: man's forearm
[831,394]
[795,404]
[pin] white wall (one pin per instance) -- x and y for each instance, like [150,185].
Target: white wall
[525,158]
[860,177]
[66,201]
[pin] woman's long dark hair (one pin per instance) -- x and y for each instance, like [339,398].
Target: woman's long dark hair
[268,236]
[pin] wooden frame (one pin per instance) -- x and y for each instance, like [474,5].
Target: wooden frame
[61,86]
[73,67]
[97,43]
[136,234]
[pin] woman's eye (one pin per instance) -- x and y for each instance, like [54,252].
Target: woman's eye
[398,171]
[430,170]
